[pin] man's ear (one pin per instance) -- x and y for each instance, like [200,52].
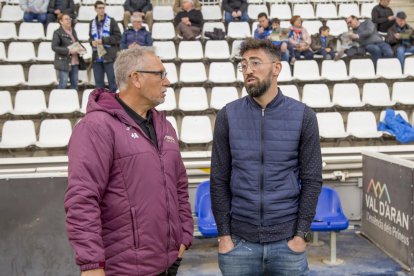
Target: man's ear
[277,68]
[136,80]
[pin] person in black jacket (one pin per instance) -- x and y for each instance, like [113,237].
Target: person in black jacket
[142,8]
[189,22]
[383,16]
[235,10]
[66,57]
[104,36]
[57,7]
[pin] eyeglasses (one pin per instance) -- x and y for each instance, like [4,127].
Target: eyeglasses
[163,74]
[253,64]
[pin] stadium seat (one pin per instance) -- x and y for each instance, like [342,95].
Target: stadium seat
[52,27]
[163,31]
[63,101]
[389,68]
[11,13]
[376,94]
[6,106]
[238,30]
[220,96]
[401,112]
[362,69]
[200,123]
[82,30]
[334,70]
[316,96]
[253,10]
[8,31]
[11,75]
[337,27]
[173,122]
[290,91]
[239,74]
[2,52]
[362,124]
[244,92]
[366,9]
[87,13]
[306,70]
[331,125]
[206,224]
[162,13]
[202,189]
[211,12]
[348,9]
[312,26]
[172,72]
[88,2]
[31,31]
[235,49]
[346,95]
[42,75]
[221,72]
[192,72]
[209,27]
[409,67]
[116,12]
[217,49]
[193,99]
[115,2]
[29,102]
[281,11]
[18,134]
[165,50]
[54,133]
[402,93]
[21,52]
[83,77]
[326,11]
[285,74]
[121,27]
[190,50]
[305,11]
[85,98]
[170,103]
[45,52]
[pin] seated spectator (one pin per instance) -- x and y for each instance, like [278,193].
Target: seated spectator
[235,10]
[264,28]
[138,7]
[401,37]
[278,36]
[323,43]
[178,6]
[136,35]
[57,7]
[189,22]
[368,39]
[34,10]
[383,16]
[299,40]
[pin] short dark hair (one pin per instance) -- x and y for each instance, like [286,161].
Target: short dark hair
[260,44]
[276,20]
[97,3]
[262,14]
[323,28]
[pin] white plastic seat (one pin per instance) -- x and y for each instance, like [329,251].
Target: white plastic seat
[8,31]
[54,133]
[190,50]
[87,2]
[193,72]
[196,130]
[221,72]
[290,91]
[18,134]
[362,124]
[51,28]
[346,95]
[220,96]
[172,72]
[366,9]
[305,11]
[11,13]
[331,125]
[45,52]
[285,74]
[316,96]
[402,92]
[21,52]
[173,122]
[376,94]
[114,2]
[6,105]
[163,31]
[11,75]
[31,31]
[337,27]
[41,75]
[306,70]
[193,99]
[217,49]
[162,13]
[209,27]
[334,70]
[362,69]
[348,9]
[326,10]
[85,97]
[389,68]
[211,12]
[116,12]
[2,52]
[87,13]
[409,67]
[29,102]
[238,30]
[82,30]
[83,77]
[165,50]
[235,48]
[253,10]
[281,11]
[312,26]
[170,103]
[63,101]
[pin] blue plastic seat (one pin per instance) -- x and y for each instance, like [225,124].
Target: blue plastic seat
[206,223]
[202,189]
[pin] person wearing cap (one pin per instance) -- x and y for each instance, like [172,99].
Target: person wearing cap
[137,35]
[383,16]
[400,37]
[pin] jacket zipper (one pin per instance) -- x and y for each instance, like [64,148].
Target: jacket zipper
[262,168]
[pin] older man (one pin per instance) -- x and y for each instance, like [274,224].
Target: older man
[189,22]
[34,10]
[383,16]
[127,198]
[136,35]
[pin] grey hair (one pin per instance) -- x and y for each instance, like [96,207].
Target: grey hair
[135,17]
[129,61]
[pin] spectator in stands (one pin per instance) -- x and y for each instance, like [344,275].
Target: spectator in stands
[368,38]
[127,208]
[67,55]
[189,22]
[299,40]
[266,174]
[401,37]
[279,38]
[137,35]
[34,10]
[104,36]
[383,16]
[57,7]
[323,43]
[179,3]
[235,10]
[264,28]
[139,7]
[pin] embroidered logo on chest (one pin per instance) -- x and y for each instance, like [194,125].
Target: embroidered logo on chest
[169,139]
[133,135]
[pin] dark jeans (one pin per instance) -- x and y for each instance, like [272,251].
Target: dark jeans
[72,75]
[324,53]
[173,269]
[229,18]
[379,50]
[30,17]
[99,70]
[307,54]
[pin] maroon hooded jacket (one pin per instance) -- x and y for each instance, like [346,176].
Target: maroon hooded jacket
[127,200]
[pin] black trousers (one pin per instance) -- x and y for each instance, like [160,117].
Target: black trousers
[173,269]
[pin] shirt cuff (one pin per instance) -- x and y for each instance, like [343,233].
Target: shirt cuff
[92,266]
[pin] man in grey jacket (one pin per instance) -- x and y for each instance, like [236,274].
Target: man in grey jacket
[34,10]
[369,40]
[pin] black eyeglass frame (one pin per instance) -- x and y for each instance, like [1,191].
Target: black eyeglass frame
[163,74]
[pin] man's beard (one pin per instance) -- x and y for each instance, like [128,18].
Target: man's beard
[259,89]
